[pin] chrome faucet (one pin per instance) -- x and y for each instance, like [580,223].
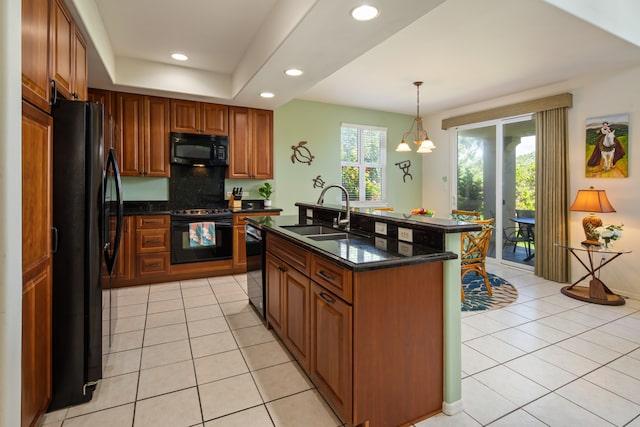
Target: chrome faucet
[344,222]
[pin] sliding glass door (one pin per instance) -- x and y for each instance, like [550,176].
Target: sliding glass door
[496,176]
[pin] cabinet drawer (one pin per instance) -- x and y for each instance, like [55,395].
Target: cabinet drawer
[335,278]
[297,257]
[152,221]
[152,241]
[153,264]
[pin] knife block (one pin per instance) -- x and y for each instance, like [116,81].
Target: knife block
[234,204]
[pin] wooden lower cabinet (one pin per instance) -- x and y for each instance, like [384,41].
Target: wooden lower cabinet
[37,216]
[275,293]
[153,245]
[374,341]
[331,348]
[239,236]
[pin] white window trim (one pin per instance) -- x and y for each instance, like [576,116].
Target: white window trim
[383,164]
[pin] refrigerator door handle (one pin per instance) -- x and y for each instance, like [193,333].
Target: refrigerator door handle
[54,246]
[112,167]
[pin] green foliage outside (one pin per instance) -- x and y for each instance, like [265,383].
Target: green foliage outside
[470,178]
[367,146]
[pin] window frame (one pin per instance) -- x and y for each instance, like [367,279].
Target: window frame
[362,165]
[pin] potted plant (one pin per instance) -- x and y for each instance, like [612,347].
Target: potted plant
[265,191]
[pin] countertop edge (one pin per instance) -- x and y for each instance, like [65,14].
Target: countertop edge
[367,266]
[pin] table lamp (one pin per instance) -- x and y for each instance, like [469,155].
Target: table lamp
[592,201]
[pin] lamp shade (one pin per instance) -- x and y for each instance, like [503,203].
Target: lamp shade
[591,200]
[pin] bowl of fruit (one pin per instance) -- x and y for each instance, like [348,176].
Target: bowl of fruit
[423,212]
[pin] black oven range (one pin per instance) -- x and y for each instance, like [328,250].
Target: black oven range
[201,234]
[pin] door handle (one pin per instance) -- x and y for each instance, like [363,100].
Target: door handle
[54,248]
[327,298]
[326,275]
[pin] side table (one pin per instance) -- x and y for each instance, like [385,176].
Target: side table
[597,292]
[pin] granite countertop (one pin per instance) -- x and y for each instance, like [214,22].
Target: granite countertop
[445,225]
[357,252]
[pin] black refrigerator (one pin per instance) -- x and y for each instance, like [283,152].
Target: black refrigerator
[87,204]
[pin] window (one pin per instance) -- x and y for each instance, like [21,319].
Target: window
[363,158]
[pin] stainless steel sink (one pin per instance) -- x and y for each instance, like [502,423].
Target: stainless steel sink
[312,230]
[317,232]
[334,236]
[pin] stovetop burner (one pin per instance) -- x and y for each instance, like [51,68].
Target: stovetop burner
[207,211]
[201,212]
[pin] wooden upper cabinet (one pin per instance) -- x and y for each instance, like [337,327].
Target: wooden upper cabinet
[199,117]
[156,149]
[143,124]
[62,35]
[79,82]
[68,54]
[35,52]
[262,147]
[250,143]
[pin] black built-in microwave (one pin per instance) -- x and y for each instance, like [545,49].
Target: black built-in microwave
[199,150]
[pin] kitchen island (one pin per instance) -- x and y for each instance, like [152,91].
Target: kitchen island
[365,313]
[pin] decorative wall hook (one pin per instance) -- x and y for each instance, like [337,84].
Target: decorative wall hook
[301,153]
[404,166]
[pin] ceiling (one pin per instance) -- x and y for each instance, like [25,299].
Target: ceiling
[465,51]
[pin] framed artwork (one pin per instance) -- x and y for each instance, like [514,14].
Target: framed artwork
[607,153]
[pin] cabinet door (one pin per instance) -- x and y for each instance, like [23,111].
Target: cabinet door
[62,33]
[262,144]
[185,116]
[129,113]
[239,246]
[215,119]
[79,81]
[35,52]
[37,138]
[275,293]
[156,152]
[331,352]
[239,143]
[296,329]
[124,262]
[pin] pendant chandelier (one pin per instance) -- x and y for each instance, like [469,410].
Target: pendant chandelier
[420,137]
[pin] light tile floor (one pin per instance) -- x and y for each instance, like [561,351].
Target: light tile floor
[193,353]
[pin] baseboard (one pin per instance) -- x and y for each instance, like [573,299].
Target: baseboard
[452,408]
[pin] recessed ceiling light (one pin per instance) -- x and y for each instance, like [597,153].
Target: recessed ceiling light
[179,56]
[293,72]
[365,13]
[267,94]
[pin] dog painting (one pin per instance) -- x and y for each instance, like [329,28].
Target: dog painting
[607,146]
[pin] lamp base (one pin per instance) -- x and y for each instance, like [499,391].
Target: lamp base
[590,223]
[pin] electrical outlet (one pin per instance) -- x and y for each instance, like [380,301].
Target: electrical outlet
[245,193]
[405,249]
[381,228]
[405,234]
[228,193]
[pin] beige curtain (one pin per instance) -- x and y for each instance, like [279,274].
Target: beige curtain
[552,186]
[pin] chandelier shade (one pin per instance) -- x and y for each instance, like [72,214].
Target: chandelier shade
[420,137]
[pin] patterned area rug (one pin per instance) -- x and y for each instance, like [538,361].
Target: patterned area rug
[477,298]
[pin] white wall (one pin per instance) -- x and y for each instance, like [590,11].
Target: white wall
[610,93]
[10,212]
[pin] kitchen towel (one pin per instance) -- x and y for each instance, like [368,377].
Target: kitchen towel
[202,234]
